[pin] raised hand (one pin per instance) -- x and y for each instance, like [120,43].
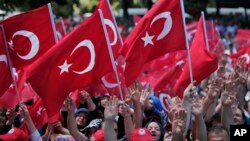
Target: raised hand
[144,99]
[111,109]
[134,91]
[190,92]
[241,75]
[24,112]
[227,99]
[215,88]
[125,110]
[84,96]
[197,106]
[69,104]
[179,122]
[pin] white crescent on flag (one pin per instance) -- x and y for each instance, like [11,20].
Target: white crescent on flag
[90,46]
[112,26]
[34,43]
[108,84]
[167,25]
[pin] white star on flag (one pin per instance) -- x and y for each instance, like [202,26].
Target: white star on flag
[147,39]
[64,67]
[38,113]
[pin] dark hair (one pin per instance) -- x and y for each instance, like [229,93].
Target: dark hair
[218,129]
[215,117]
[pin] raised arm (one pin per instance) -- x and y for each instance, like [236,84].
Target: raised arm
[85,97]
[227,97]
[34,134]
[135,91]
[200,126]
[128,123]
[179,125]
[71,122]
[109,117]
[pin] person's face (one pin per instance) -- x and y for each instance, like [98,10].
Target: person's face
[218,137]
[154,130]
[104,101]
[81,119]
[168,136]
[238,119]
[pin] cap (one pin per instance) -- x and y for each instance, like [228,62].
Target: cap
[141,134]
[82,110]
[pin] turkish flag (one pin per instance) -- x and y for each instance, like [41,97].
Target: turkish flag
[109,21]
[242,38]
[29,35]
[60,29]
[203,62]
[38,113]
[15,134]
[5,79]
[158,32]
[78,60]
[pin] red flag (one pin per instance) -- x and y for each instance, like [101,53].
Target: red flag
[15,134]
[243,53]
[243,38]
[169,59]
[109,81]
[29,35]
[159,31]
[78,60]
[60,29]
[5,79]
[38,113]
[191,30]
[203,62]
[163,72]
[109,21]
[9,98]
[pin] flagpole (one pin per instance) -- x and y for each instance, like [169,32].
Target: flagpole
[63,26]
[205,30]
[116,26]
[10,65]
[52,22]
[111,53]
[187,44]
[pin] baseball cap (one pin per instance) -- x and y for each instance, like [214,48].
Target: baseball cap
[142,134]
